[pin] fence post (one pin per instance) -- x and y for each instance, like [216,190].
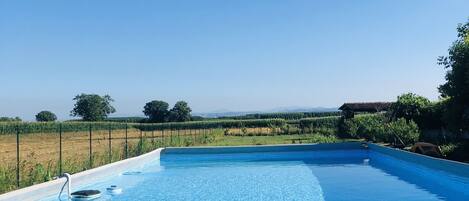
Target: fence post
[164,138]
[179,137]
[110,144]
[160,138]
[205,135]
[18,156]
[126,145]
[141,140]
[194,138]
[60,149]
[91,148]
[170,136]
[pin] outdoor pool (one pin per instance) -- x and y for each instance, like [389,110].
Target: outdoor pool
[322,175]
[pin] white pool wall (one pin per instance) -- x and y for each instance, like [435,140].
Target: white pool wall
[53,187]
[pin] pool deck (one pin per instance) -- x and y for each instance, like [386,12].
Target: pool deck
[50,188]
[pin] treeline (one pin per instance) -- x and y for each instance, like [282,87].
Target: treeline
[77,126]
[9,119]
[52,127]
[284,115]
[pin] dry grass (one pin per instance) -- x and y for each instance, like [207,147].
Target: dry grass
[44,147]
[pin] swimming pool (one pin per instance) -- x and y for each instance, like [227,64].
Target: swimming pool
[283,174]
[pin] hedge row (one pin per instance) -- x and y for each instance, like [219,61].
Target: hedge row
[39,127]
[49,127]
[286,115]
[213,124]
[322,122]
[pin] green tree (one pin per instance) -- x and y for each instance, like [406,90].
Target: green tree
[456,88]
[157,111]
[92,107]
[410,107]
[180,112]
[45,116]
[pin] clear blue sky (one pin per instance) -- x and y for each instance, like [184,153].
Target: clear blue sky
[221,55]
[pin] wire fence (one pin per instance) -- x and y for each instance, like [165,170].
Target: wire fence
[30,158]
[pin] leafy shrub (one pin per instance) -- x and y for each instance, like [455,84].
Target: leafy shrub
[313,125]
[363,126]
[377,128]
[370,127]
[326,131]
[349,128]
[432,115]
[456,151]
[408,132]
[448,149]
[323,139]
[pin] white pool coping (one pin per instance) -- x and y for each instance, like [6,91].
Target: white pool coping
[50,188]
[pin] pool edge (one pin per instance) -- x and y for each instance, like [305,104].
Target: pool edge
[440,164]
[261,148]
[50,188]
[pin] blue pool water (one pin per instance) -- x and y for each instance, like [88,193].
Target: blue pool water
[300,175]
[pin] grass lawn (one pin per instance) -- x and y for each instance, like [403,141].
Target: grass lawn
[275,139]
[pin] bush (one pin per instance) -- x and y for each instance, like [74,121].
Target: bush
[408,132]
[432,115]
[320,124]
[363,126]
[377,128]
[456,151]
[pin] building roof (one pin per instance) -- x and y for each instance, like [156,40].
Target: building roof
[366,107]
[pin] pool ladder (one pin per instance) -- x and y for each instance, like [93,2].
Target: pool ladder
[69,186]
